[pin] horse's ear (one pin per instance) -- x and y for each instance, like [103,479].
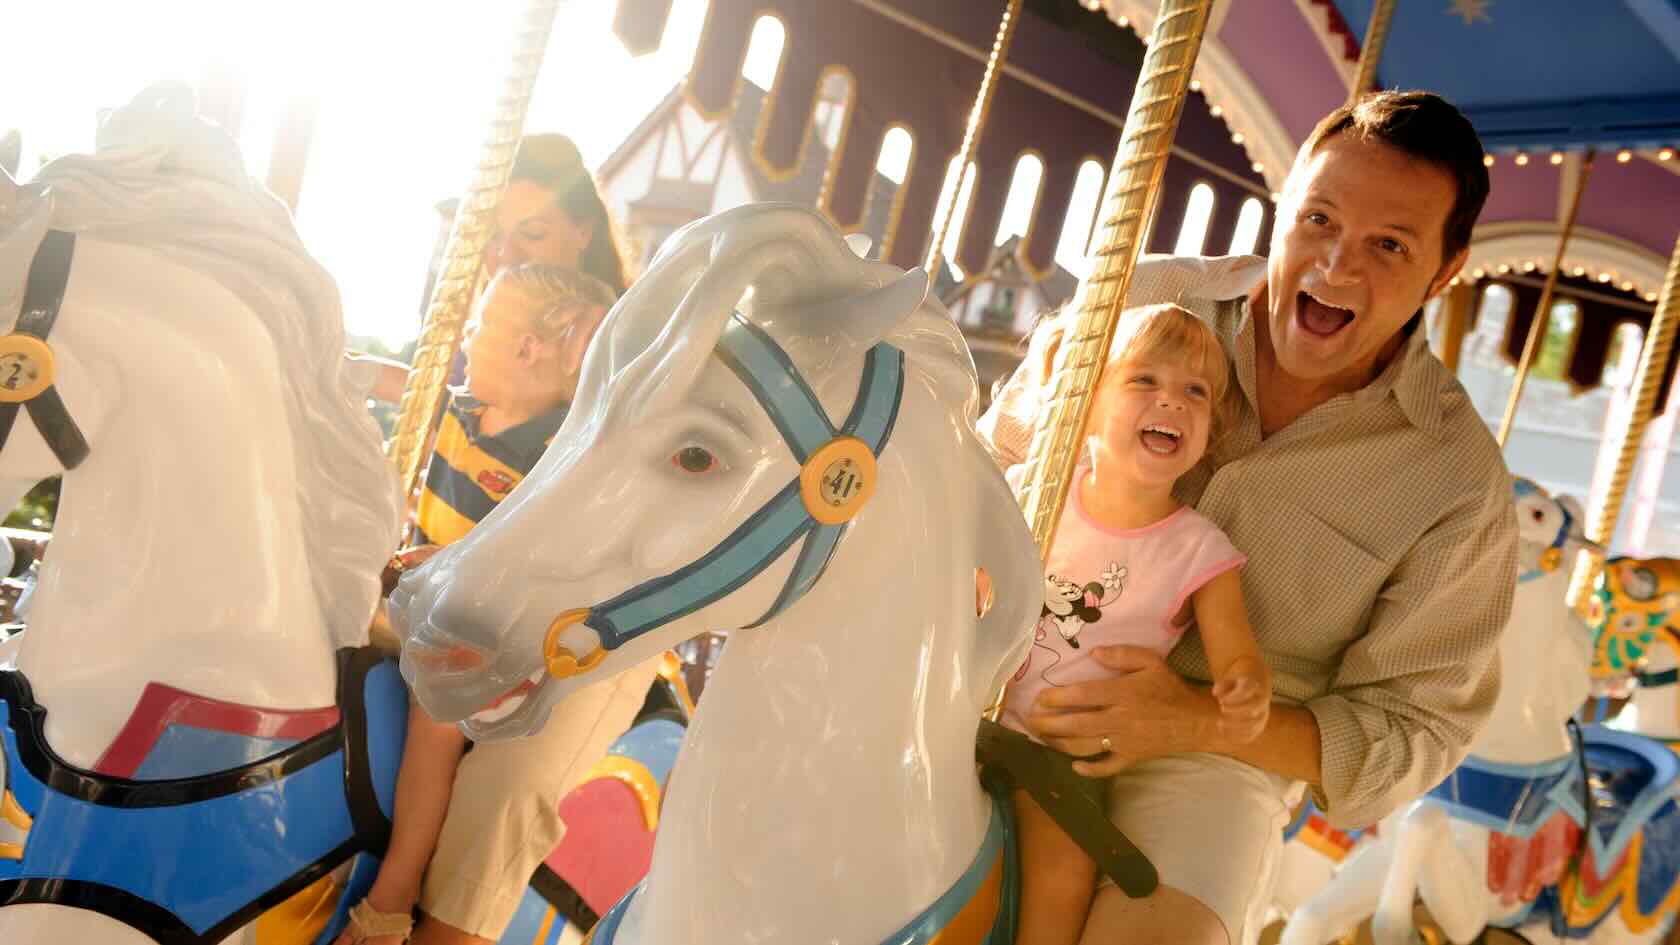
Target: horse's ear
[867,317]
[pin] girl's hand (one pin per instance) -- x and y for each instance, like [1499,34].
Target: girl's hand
[1245,700]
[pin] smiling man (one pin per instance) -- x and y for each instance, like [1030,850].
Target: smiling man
[1373,505]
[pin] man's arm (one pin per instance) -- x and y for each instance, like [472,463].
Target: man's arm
[1411,695]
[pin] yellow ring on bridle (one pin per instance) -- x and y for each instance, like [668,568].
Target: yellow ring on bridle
[562,663]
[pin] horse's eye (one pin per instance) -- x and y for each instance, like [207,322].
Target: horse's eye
[694,459]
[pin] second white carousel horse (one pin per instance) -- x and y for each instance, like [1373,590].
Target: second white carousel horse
[774,435]
[226,509]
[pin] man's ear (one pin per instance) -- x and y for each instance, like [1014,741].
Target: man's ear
[1449,269]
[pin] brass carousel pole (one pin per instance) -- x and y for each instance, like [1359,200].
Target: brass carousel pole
[1370,51]
[1134,181]
[1601,520]
[1543,313]
[1134,184]
[971,134]
[452,295]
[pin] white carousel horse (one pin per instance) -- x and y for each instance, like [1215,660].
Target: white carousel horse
[1505,841]
[192,748]
[827,790]
[226,510]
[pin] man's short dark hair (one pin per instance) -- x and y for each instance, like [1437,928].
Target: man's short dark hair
[1428,128]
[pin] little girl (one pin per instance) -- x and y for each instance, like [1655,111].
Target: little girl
[1131,565]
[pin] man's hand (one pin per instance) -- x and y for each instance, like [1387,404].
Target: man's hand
[1146,712]
[1245,699]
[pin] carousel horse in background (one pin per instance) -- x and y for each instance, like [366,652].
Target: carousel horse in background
[195,744]
[772,435]
[1632,614]
[1532,832]
[188,699]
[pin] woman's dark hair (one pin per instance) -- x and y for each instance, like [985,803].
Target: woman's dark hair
[552,161]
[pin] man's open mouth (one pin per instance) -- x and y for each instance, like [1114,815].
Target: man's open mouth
[1161,439]
[509,702]
[1319,317]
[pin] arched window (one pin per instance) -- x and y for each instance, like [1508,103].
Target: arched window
[1623,358]
[1559,344]
[1493,314]
[1023,198]
[953,236]
[1247,234]
[764,52]
[834,102]
[1081,219]
[897,147]
[1198,210]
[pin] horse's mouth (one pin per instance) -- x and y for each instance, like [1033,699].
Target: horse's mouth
[509,702]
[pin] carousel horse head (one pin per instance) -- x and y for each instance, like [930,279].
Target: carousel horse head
[1544,649]
[762,407]
[1549,529]
[182,352]
[1632,608]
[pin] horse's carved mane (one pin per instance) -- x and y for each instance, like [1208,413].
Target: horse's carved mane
[166,181]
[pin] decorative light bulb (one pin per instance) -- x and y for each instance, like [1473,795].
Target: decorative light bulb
[1522,160]
[1622,157]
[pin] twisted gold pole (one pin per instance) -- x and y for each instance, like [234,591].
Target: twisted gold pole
[1543,313]
[971,134]
[1133,185]
[452,295]
[1601,521]
[1370,51]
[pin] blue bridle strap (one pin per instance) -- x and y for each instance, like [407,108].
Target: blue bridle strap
[768,533]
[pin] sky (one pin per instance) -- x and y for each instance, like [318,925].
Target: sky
[405,101]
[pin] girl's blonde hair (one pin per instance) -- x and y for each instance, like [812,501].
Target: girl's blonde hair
[558,295]
[1167,332]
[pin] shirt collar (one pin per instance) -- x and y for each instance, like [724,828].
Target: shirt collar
[530,437]
[1414,376]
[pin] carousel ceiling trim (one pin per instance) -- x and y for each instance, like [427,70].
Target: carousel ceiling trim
[917,25]
[1325,22]
[1530,246]
[1231,94]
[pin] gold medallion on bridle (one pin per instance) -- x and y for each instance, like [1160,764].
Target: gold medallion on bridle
[838,479]
[26,368]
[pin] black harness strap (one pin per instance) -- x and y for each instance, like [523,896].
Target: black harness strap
[49,274]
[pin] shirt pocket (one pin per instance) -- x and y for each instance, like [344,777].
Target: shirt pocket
[1311,589]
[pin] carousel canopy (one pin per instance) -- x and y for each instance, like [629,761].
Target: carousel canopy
[1541,74]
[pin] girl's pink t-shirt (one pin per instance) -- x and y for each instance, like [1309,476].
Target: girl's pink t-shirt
[1107,586]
